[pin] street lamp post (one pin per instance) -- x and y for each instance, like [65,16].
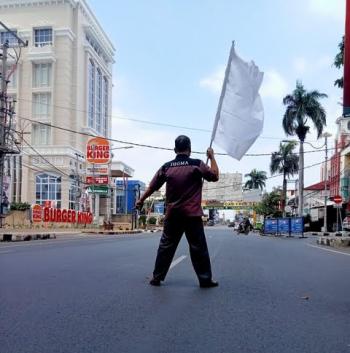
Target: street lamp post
[301,173]
[325,135]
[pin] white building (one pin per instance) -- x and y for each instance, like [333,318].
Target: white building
[64,78]
[228,188]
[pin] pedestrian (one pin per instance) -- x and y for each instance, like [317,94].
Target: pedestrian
[184,180]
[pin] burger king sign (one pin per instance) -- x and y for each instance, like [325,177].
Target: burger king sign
[98,151]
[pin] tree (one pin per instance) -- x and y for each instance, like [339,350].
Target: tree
[285,162]
[257,179]
[339,63]
[301,106]
[269,204]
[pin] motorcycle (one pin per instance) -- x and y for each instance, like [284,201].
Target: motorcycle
[244,228]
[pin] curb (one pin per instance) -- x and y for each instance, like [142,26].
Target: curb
[10,237]
[110,232]
[333,241]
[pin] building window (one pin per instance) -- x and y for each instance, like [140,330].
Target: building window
[48,188]
[42,75]
[9,37]
[42,37]
[91,109]
[105,107]
[98,100]
[41,105]
[74,193]
[41,134]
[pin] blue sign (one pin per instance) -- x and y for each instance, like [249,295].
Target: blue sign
[159,207]
[283,225]
[270,226]
[297,225]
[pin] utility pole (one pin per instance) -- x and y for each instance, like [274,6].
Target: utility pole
[346,91]
[301,179]
[325,135]
[6,113]
[3,112]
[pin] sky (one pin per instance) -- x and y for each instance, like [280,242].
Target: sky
[170,61]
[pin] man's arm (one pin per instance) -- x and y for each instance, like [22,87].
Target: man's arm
[141,200]
[213,165]
[156,183]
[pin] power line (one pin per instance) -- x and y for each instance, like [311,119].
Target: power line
[270,177]
[146,145]
[141,121]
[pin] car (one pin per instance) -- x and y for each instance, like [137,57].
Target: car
[346,223]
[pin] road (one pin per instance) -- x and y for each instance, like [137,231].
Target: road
[87,294]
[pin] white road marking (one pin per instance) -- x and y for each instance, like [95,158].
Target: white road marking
[330,250]
[177,261]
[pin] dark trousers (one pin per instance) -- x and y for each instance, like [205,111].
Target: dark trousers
[174,227]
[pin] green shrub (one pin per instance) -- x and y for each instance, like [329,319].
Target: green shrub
[152,220]
[20,206]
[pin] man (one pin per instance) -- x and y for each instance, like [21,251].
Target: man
[184,179]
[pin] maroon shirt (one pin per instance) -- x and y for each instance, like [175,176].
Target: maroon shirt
[184,179]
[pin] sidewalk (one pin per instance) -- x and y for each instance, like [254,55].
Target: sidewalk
[8,235]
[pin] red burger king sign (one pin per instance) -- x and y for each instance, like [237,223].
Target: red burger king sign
[98,151]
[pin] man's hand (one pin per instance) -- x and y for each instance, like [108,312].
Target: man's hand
[210,153]
[139,204]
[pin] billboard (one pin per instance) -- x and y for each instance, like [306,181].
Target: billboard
[270,226]
[297,225]
[284,225]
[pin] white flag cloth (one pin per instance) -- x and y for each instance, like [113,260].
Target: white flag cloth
[240,116]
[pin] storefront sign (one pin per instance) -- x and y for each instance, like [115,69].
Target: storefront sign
[57,215]
[37,213]
[97,170]
[100,180]
[66,216]
[101,190]
[98,151]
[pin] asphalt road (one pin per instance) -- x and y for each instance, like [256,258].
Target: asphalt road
[75,295]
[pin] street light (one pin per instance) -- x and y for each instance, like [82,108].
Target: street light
[326,135]
[296,141]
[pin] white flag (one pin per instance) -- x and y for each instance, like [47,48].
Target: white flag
[240,116]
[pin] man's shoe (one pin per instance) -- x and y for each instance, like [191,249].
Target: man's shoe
[209,284]
[154,282]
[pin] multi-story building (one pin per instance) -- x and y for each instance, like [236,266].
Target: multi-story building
[63,78]
[228,188]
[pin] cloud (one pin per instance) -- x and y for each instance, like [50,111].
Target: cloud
[329,8]
[214,81]
[274,85]
[300,65]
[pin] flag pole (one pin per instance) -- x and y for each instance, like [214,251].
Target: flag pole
[223,91]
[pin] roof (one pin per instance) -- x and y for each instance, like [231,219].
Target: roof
[317,187]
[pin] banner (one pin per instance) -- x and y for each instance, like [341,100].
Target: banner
[240,115]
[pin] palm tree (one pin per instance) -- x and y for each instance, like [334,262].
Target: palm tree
[257,179]
[285,162]
[339,62]
[301,106]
